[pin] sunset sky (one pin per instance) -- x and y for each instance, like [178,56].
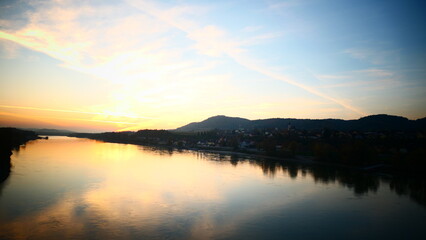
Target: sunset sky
[133,64]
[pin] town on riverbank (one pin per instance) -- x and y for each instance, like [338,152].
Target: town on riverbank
[396,150]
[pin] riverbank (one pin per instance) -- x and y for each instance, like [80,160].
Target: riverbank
[11,139]
[303,160]
[376,168]
[390,151]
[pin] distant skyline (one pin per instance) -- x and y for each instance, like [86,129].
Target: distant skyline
[129,65]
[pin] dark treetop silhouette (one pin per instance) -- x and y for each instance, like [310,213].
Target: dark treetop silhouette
[11,139]
[373,142]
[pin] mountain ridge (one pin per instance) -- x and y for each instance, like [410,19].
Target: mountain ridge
[378,122]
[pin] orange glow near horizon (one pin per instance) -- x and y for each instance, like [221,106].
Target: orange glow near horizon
[160,65]
[30,117]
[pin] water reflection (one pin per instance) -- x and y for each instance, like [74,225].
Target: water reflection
[6,165]
[360,182]
[413,187]
[83,189]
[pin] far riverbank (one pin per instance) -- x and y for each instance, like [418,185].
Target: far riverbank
[376,168]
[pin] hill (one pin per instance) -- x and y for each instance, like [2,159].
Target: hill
[217,122]
[381,122]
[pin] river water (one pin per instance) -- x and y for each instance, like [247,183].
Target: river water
[70,188]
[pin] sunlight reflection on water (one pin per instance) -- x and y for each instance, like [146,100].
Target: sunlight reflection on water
[84,189]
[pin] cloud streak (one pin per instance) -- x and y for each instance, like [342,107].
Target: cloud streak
[256,67]
[144,54]
[209,40]
[72,111]
[212,41]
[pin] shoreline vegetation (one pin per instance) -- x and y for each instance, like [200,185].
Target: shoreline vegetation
[11,139]
[361,179]
[377,142]
[278,150]
[387,152]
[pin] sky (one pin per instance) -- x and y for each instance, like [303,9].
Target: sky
[133,64]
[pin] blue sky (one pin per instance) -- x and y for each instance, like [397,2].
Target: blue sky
[116,65]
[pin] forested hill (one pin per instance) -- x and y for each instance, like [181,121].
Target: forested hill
[380,122]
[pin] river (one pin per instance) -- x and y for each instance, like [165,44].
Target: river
[71,188]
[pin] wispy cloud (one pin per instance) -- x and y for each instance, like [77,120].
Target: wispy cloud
[370,79]
[260,39]
[333,77]
[93,120]
[143,53]
[10,49]
[14,119]
[73,111]
[365,85]
[373,56]
[285,4]
[258,68]
[136,52]
[218,42]
[250,29]
[375,72]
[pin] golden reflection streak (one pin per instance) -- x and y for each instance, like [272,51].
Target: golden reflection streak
[139,189]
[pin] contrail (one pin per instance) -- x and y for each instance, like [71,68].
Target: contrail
[70,111]
[283,78]
[188,27]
